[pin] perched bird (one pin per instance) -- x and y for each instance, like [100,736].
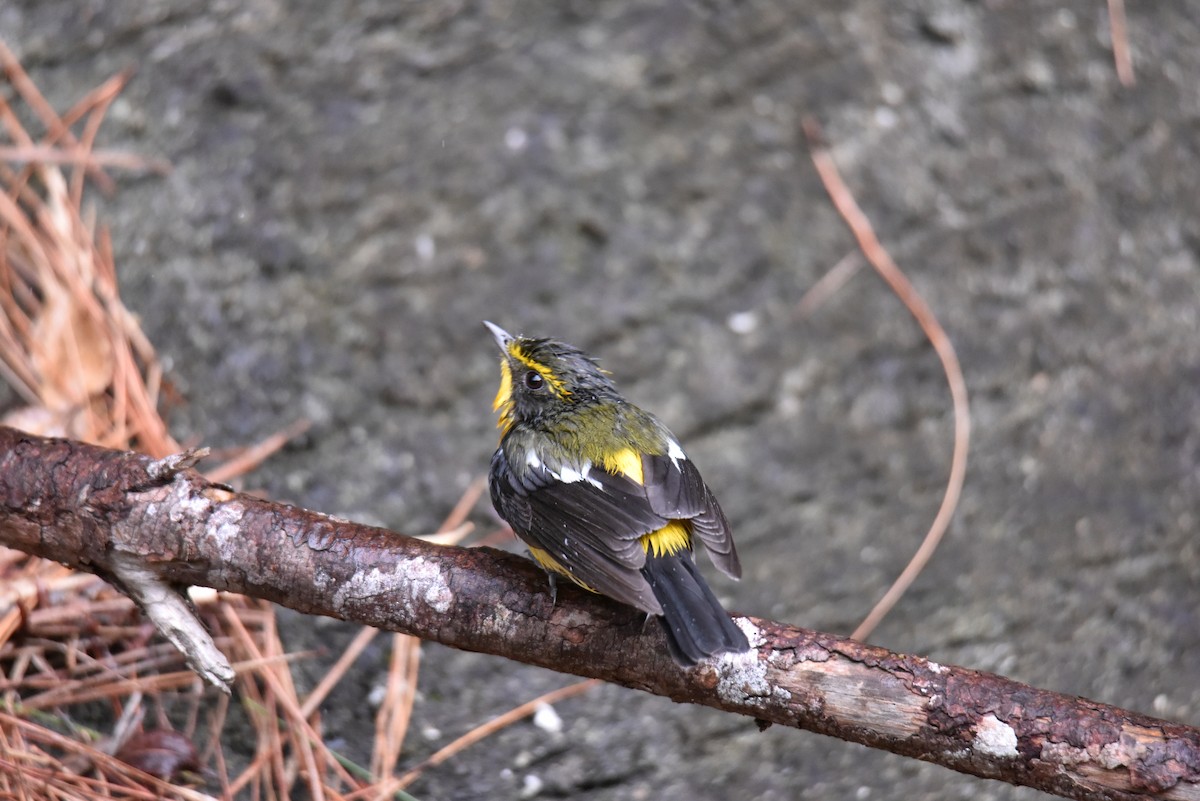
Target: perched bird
[603,494]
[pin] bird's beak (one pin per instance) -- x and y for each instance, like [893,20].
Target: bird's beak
[502,336]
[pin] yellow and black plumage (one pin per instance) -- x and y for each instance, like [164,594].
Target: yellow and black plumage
[603,494]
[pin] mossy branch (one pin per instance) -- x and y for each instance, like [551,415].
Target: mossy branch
[101,510]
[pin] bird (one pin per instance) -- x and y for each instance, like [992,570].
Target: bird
[602,493]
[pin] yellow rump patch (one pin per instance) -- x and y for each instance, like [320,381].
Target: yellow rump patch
[668,540]
[626,461]
[556,384]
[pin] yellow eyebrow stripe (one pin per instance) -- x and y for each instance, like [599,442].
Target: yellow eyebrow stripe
[626,461]
[556,384]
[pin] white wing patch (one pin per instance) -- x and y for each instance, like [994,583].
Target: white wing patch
[532,460]
[675,452]
[569,475]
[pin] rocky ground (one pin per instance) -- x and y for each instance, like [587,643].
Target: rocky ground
[355,188]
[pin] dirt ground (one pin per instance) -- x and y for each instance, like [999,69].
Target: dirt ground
[357,186]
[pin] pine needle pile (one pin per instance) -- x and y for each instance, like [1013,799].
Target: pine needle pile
[92,702]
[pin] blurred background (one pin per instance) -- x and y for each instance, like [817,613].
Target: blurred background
[355,187]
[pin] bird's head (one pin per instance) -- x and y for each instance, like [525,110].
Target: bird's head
[542,379]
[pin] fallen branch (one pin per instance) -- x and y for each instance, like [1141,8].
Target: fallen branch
[87,506]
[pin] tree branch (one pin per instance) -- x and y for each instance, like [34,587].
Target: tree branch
[101,510]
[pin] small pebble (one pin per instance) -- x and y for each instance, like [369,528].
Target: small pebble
[425,246]
[515,139]
[532,786]
[546,719]
[1037,76]
[742,322]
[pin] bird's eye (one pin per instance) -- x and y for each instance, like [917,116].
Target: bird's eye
[534,380]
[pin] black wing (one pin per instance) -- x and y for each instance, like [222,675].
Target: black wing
[674,489]
[590,526]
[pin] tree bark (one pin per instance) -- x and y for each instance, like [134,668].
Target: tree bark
[101,510]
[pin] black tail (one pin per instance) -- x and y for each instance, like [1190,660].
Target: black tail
[696,625]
